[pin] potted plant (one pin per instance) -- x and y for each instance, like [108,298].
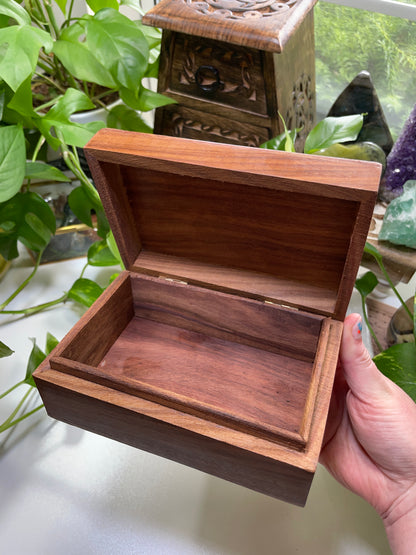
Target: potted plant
[64,68]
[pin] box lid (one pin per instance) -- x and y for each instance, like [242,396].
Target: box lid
[261,24]
[276,226]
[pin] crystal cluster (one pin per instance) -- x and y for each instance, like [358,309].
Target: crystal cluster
[401,162]
[399,222]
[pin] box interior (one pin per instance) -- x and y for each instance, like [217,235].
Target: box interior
[256,241]
[238,362]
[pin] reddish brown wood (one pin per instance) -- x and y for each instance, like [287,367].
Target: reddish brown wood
[243,221]
[214,376]
[269,29]
[257,324]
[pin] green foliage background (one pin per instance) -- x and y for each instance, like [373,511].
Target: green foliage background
[350,40]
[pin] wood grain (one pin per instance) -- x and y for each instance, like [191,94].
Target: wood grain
[213,376]
[261,32]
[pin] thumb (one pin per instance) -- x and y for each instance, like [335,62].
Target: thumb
[363,377]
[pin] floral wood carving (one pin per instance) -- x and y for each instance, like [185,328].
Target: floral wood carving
[242,9]
[246,83]
[180,123]
[301,113]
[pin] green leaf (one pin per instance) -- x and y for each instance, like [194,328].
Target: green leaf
[27,218]
[5,351]
[51,343]
[279,142]
[40,170]
[12,161]
[414,317]
[62,5]
[99,254]
[22,104]
[372,251]
[85,291]
[333,130]
[59,117]
[79,59]
[36,357]
[97,5]
[399,364]
[366,284]
[14,10]
[112,245]
[21,56]
[82,205]
[119,44]
[135,4]
[122,117]
[113,277]
[149,100]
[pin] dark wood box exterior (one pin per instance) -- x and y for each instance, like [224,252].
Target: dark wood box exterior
[232,67]
[217,346]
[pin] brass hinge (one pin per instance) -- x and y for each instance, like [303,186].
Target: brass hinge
[174,280]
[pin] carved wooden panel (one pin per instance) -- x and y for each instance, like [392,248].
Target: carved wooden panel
[218,71]
[260,24]
[242,9]
[180,121]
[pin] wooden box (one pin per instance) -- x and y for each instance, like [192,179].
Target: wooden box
[232,66]
[217,346]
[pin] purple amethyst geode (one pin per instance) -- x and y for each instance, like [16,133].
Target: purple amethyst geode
[401,162]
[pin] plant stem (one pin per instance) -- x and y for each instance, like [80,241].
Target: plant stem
[373,335]
[37,308]
[51,82]
[12,389]
[386,275]
[38,147]
[7,423]
[22,285]
[52,21]
[4,427]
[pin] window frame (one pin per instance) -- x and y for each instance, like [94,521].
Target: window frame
[386,7]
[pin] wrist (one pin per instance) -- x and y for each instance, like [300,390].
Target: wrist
[400,522]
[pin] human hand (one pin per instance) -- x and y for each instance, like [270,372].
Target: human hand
[370,440]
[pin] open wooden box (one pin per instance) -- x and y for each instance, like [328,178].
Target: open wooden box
[217,346]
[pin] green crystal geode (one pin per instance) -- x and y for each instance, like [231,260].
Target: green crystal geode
[399,222]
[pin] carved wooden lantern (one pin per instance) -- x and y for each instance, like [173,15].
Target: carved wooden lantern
[233,65]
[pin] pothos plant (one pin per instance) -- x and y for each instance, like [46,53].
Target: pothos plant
[399,361]
[48,72]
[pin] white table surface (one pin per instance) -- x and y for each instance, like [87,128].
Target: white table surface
[69,492]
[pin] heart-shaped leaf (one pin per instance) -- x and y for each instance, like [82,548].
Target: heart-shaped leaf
[333,130]
[99,254]
[279,142]
[27,218]
[84,205]
[85,291]
[21,54]
[97,5]
[40,170]
[36,357]
[13,9]
[399,364]
[51,343]
[123,117]
[366,284]
[59,117]
[5,351]
[119,44]
[12,161]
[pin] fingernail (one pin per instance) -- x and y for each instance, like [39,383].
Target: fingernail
[357,330]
